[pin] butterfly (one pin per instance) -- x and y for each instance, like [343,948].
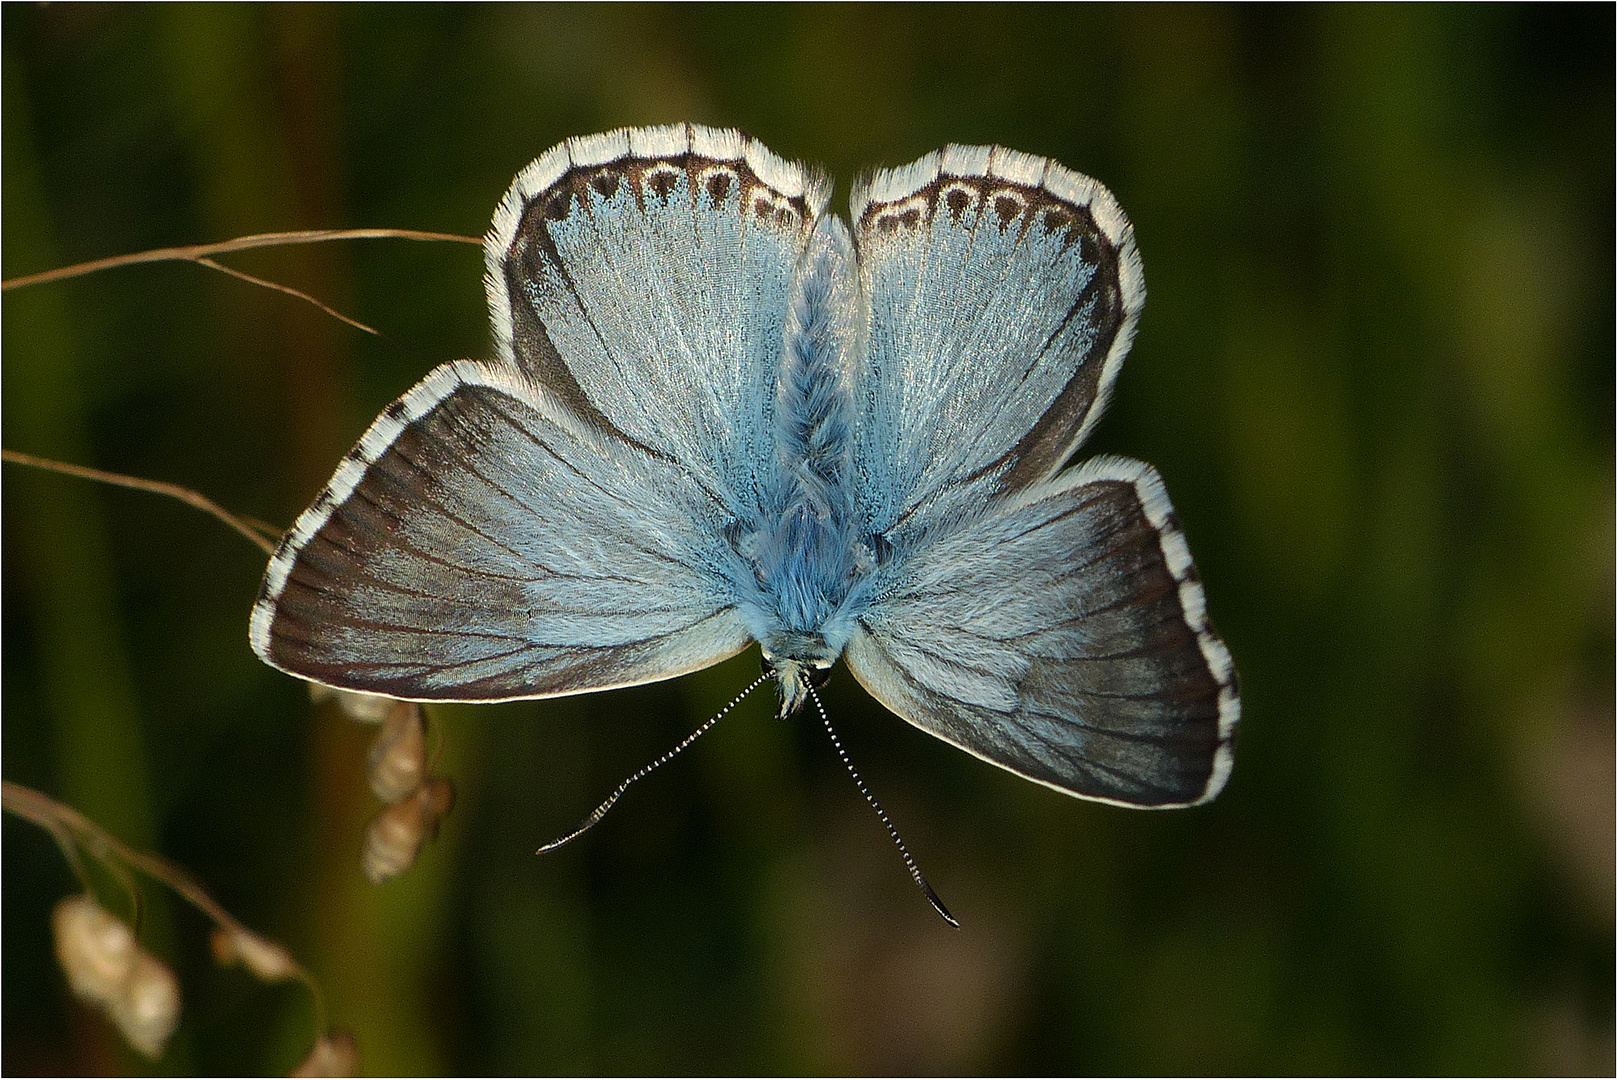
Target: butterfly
[719,415]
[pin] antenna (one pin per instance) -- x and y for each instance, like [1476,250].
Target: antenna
[904,852]
[601,811]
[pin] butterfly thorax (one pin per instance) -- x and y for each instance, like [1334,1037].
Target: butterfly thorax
[810,568]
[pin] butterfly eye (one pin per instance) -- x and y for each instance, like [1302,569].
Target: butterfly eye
[817,677]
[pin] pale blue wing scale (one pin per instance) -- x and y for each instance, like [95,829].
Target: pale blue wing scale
[1002,292]
[481,542]
[1063,637]
[645,275]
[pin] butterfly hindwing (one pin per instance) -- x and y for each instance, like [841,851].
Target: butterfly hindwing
[1063,637]
[481,543]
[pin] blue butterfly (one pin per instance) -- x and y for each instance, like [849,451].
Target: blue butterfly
[719,415]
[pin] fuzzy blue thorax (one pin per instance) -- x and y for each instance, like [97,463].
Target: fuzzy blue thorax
[808,561]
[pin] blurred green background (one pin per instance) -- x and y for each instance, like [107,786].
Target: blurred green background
[1376,370]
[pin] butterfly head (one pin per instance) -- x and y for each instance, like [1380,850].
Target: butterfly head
[806,666]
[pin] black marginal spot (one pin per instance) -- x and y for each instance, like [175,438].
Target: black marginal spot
[957,201]
[558,206]
[886,224]
[911,217]
[783,217]
[1056,218]
[605,183]
[662,183]
[1006,208]
[762,208]
[718,188]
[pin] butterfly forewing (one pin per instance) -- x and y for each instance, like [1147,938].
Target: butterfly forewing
[1003,291]
[649,270]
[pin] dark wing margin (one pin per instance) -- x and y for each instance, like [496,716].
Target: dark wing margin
[481,543]
[1065,638]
